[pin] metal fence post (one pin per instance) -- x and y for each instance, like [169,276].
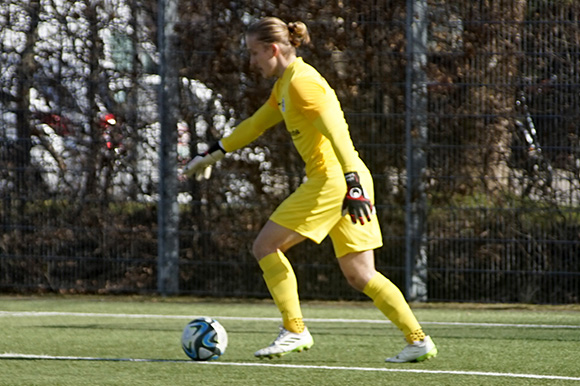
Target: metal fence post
[168,210]
[416,139]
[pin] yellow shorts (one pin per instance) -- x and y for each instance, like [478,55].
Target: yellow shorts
[314,210]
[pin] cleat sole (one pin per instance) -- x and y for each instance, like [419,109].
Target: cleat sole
[280,355]
[429,355]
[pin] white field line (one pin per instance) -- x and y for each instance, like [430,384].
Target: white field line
[16,356]
[242,318]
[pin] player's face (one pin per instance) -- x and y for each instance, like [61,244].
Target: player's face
[262,57]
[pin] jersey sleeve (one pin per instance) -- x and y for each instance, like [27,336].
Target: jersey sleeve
[320,106]
[248,130]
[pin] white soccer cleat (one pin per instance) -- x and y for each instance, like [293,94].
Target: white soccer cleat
[416,352]
[286,342]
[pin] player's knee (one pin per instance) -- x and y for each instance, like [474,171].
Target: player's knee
[358,278]
[257,250]
[261,249]
[355,280]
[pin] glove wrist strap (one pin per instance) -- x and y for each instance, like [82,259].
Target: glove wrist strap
[216,147]
[352,179]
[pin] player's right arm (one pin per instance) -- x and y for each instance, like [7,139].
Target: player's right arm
[246,132]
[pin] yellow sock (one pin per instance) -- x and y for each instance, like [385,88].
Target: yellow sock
[415,336]
[294,325]
[389,299]
[281,281]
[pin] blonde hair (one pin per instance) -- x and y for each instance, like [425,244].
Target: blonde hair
[273,30]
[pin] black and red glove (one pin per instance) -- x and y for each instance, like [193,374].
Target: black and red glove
[356,203]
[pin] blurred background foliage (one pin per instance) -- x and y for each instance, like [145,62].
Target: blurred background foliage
[79,141]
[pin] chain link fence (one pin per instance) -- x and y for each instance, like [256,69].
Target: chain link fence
[473,135]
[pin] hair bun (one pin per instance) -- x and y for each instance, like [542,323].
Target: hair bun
[298,33]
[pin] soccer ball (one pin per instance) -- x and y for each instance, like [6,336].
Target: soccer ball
[204,339]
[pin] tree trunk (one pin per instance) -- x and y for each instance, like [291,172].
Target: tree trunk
[25,76]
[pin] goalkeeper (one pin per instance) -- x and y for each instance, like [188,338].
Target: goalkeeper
[335,200]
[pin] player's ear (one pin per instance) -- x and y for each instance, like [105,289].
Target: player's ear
[275,49]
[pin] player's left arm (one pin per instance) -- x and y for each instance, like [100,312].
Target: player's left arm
[320,105]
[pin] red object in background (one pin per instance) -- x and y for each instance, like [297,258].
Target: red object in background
[60,124]
[111,132]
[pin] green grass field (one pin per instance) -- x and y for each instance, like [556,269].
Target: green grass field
[136,341]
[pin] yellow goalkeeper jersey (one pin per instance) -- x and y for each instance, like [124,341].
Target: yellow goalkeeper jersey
[310,109]
[313,116]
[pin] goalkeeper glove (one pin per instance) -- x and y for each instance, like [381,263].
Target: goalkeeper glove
[356,203]
[201,164]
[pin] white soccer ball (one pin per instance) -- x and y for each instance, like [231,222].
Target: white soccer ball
[204,339]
